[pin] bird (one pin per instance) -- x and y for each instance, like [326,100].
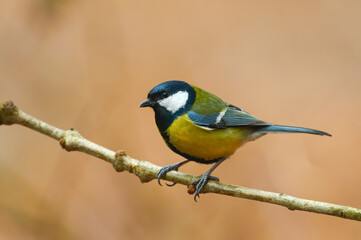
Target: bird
[203,128]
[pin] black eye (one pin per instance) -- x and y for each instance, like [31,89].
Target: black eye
[165,94]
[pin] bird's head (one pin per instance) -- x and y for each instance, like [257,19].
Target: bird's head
[175,97]
[170,100]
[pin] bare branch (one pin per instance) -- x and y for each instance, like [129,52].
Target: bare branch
[71,140]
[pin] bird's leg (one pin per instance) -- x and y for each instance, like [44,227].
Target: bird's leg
[163,171]
[201,182]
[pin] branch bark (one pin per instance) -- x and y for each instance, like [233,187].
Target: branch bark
[71,140]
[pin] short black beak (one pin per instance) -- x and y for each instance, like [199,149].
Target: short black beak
[146,103]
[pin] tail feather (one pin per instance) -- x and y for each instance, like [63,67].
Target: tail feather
[290,129]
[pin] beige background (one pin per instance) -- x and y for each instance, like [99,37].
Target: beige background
[88,65]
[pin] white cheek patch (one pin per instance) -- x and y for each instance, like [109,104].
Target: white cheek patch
[174,102]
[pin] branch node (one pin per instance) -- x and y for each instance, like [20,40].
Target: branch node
[69,140]
[120,153]
[140,170]
[8,113]
[191,189]
[63,144]
[118,164]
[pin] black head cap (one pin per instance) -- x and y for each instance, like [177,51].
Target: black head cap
[167,89]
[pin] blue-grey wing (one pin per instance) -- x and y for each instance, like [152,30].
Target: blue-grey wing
[229,117]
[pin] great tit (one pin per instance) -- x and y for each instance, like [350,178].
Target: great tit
[203,128]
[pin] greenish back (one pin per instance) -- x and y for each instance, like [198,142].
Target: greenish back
[207,103]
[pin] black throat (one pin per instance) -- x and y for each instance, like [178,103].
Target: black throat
[165,118]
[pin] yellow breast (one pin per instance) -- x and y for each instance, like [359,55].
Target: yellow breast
[205,143]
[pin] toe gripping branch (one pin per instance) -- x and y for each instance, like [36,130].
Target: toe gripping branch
[163,171]
[198,184]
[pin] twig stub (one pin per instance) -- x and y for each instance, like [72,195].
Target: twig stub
[7,113]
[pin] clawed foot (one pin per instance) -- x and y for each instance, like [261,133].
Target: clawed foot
[163,171]
[201,182]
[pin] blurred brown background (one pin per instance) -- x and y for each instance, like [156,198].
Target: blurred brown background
[88,65]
